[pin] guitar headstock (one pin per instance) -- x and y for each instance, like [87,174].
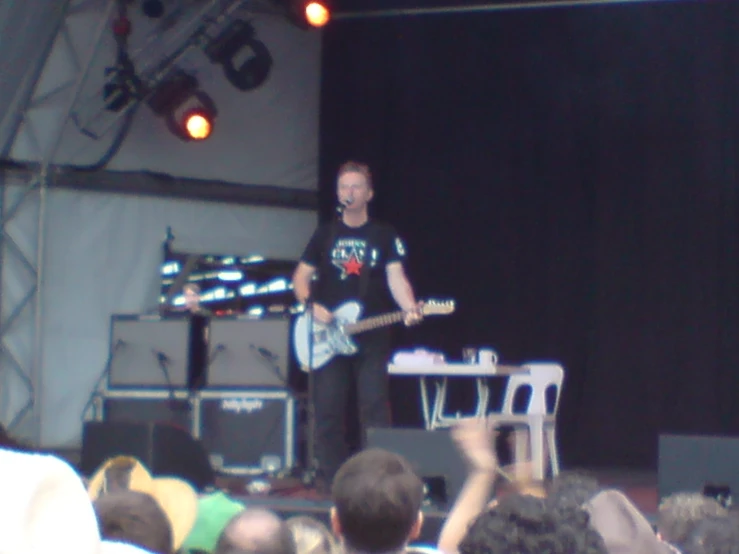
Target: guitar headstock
[438,307]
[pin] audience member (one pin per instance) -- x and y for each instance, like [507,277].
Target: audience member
[623,527]
[521,524]
[311,536]
[475,441]
[256,531]
[679,512]
[572,489]
[713,535]
[44,508]
[377,503]
[135,518]
[215,510]
[177,499]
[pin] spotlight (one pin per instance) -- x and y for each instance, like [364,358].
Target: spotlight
[188,112]
[308,13]
[317,14]
[246,61]
[153,8]
[198,124]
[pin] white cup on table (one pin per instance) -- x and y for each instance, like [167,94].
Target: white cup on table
[487,356]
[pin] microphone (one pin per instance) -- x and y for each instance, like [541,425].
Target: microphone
[161,356]
[264,352]
[344,204]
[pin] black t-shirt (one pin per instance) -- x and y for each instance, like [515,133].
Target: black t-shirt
[340,264]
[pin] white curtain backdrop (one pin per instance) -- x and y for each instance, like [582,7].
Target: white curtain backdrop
[102,257]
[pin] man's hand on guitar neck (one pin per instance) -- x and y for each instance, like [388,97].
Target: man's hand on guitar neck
[322,314]
[414,316]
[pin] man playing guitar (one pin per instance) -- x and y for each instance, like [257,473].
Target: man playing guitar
[356,259]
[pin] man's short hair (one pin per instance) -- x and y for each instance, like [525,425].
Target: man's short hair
[311,536]
[521,524]
[679,513]
[135,518]
[194,287]
[713,535]
[377,496]
[355,167]
[256,531]
[572,489]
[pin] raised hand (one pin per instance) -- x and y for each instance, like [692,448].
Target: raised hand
[475,440]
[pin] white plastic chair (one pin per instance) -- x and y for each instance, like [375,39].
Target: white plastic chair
[537,419]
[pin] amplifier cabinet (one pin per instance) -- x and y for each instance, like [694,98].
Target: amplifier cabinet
[249,353]
[148,352]
[147,406]
[248,431]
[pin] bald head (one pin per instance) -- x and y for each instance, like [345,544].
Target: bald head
[255,531]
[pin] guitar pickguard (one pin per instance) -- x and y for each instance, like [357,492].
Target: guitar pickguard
[339,340]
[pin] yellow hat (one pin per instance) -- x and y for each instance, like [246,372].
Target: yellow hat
[178,499]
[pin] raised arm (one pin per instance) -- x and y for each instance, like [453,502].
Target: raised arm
[475,441]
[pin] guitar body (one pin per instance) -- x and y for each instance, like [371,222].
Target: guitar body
[335,339]
[328,340]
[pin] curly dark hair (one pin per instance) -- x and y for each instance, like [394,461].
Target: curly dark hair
[572,489]
[679,512]
[713,535]
[522,524]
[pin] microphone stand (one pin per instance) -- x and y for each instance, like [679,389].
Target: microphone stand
[96,391]
[312,466]
[312,469]
[163,361]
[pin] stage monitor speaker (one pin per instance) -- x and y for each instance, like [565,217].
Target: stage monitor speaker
[692,463]
[164,449]
[433,455]
[249,352]
[139,343]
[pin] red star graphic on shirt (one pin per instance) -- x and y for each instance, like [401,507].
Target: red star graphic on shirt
[352,266]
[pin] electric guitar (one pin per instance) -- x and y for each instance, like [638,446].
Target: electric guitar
[336,337]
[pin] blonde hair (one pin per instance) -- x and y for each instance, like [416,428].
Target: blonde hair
[311,536]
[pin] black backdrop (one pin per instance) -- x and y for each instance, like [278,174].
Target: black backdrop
[569,176]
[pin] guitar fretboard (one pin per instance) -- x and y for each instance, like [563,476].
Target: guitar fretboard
[374,322]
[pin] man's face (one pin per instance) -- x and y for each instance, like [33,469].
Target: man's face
[192,299]
[353,187]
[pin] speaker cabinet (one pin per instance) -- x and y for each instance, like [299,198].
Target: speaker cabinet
[163,449]
[433,455]
[688,463]
[147,406]
[149,352]
[249,352]
[247,432]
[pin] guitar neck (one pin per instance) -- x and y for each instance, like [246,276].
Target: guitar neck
[374,322]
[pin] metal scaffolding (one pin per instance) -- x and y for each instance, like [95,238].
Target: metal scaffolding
[24,193]
[22,234]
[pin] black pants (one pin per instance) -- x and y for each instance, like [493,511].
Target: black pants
[332,382]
